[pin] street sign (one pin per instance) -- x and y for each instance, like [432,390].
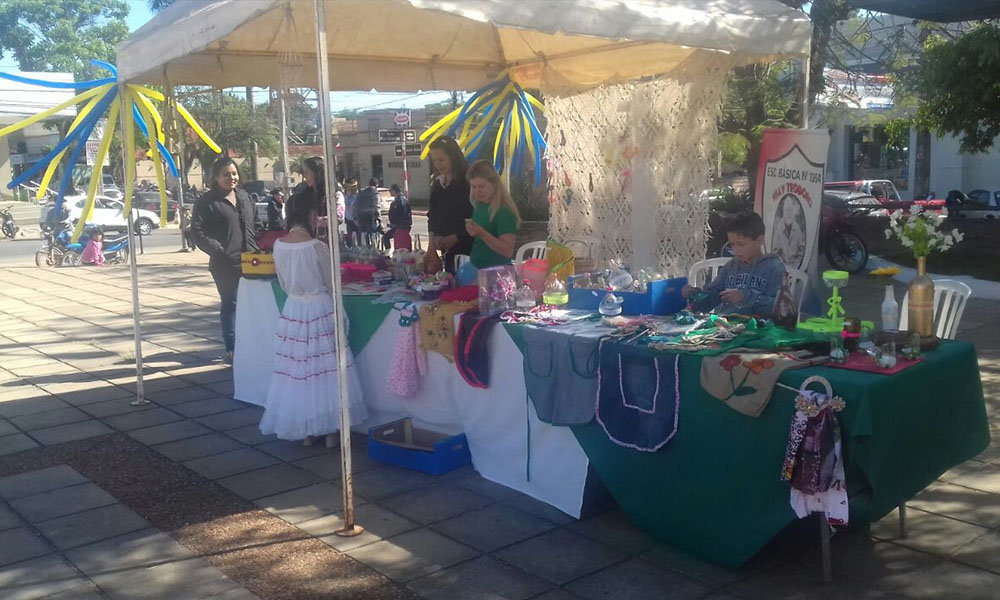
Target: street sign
[396,136]
[411,149]
[92,148]
[402,119]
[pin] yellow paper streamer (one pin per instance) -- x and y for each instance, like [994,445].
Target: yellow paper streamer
[129,134]
[153,116]
[197,128]
[95,175]
[46,113]
[57,160]
[154,152]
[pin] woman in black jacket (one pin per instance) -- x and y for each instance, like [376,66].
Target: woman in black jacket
[449,206]
[223,225]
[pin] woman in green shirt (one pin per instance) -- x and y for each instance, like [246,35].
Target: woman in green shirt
[494,219]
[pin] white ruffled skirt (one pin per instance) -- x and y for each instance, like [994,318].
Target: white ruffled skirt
[302,399]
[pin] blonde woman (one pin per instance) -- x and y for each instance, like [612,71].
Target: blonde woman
[494,219]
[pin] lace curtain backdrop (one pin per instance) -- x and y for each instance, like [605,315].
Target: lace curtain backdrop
[627,163]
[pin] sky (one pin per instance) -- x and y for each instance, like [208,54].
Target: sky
[139,14]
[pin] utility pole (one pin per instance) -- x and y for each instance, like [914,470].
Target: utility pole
[253,143]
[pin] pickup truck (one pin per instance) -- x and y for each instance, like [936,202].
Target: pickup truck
[881,189]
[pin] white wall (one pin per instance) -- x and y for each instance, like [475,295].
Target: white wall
[5,171]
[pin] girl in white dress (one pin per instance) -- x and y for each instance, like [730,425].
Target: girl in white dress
[302,397]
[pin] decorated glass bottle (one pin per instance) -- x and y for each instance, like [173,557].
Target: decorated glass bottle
[785,313]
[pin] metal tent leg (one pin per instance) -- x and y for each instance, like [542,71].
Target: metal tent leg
[902,520]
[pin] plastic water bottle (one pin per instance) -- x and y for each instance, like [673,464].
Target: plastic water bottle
[890,310]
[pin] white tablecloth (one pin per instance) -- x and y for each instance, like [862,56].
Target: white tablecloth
[496,421]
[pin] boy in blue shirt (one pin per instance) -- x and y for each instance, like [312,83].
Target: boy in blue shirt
[750,282]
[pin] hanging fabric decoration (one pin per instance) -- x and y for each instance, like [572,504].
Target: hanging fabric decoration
[100,96]
[501,103]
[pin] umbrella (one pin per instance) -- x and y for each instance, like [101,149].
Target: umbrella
[560,46]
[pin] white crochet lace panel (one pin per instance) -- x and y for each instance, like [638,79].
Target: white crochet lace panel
[627,163]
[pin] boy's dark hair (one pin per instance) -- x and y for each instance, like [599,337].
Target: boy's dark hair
[748,224]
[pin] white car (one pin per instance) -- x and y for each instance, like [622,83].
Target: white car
[109,213]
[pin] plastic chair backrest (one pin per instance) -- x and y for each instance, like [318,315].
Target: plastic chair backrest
[531,250]
[799,282]
[704,271]
[950,297]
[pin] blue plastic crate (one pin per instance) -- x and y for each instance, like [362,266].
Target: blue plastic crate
[662,297]
[400,443]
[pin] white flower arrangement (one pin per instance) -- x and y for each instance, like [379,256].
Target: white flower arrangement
[921,231]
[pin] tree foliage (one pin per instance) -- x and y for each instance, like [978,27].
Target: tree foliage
[158,5]
[958,83]
[232,126]
[62,35]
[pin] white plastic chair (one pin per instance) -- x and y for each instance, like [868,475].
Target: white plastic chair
[531,250]
[799,282]
[950,297]
[704,271]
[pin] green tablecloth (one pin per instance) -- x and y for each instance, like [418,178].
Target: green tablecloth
[715,491]
[364,317]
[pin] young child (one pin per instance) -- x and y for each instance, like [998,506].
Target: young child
[302,399]
[749,283]
[93,252]
[400,220]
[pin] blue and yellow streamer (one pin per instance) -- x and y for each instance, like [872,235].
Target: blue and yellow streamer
[101,96]
[501,102]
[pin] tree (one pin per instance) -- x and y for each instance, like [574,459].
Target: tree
[958,84]
[231,125]
[62,35]
[158,5]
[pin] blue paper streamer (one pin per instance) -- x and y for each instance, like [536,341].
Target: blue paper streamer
[61,85]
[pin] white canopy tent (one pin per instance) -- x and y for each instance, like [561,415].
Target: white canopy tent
[409,45]
[559,46]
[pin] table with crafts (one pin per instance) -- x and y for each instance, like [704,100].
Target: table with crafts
[714,488]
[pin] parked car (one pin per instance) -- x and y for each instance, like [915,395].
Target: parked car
[881,189]
[151,201]
[108,213]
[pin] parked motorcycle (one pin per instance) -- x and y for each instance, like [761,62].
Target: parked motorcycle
[57,251]
[7,224]
[838,239]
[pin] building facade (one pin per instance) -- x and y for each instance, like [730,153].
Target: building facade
[370,146]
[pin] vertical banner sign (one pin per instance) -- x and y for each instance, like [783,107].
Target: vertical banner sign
[790,191]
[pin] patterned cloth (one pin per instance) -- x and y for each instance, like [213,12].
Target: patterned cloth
[408,363]
[813,462]
[437,326]
[744,381]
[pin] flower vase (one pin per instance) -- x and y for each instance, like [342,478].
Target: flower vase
[920,309]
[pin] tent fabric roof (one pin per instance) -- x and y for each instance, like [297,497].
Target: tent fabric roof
[408,45]
[935,10]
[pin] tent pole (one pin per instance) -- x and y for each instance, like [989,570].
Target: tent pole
[326,130]
[140,396]
[286,168]
[804,100]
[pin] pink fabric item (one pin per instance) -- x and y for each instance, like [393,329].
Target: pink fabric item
[857,361]
[93,253]
[404,367]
